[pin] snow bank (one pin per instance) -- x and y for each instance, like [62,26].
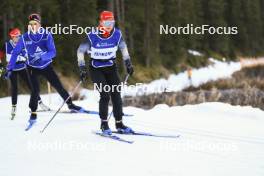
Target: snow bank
[178,82]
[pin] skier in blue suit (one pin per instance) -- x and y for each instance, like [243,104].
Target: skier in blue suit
[40,52]
[102,49]
[19,70]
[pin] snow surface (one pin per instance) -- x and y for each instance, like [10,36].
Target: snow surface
[216,139]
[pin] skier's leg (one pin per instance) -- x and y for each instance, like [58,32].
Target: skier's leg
[33,104]
[113,79]
[13,80]
[54,80]
[98,78]
[25,76]
[52,77]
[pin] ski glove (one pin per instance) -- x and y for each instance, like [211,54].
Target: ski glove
[129,67]
[83,73]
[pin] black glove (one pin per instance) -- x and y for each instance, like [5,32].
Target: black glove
[129,67]
[83,73]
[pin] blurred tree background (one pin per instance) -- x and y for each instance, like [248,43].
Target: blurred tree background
[153,54]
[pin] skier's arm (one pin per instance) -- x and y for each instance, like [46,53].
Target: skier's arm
[83,48]
[51,49]
[17,50]
[126,58]
[123,48]
[7,54]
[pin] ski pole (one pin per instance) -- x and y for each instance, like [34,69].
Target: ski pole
[125,82]
[73,92]
[49,92]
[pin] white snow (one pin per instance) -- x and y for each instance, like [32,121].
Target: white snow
[216,139]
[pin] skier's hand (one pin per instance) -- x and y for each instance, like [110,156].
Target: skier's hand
[21,59]
[8,74]
[83,73]
[129,67]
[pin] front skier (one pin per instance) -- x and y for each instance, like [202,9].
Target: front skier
[19,69]
[103,70]
[40,50]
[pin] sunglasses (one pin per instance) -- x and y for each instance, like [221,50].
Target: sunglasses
[18,36]
[32,23]
[15,37]
[108,23]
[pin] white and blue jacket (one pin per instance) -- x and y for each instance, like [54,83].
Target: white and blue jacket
[102,51]
[21,58]
[39,48]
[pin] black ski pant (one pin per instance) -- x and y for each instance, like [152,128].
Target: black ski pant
[23,74]
[108,76]
[52,78]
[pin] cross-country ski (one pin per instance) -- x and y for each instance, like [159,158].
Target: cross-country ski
[113,137]
[136,133]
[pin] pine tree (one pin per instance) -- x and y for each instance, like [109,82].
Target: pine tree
[215,13]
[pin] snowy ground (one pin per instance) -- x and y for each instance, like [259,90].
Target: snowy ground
[216,139]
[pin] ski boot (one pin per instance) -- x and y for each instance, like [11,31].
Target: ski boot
[43,106]
[105,128]
[121,128]
[75,108]
[13,112]
[32,120]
